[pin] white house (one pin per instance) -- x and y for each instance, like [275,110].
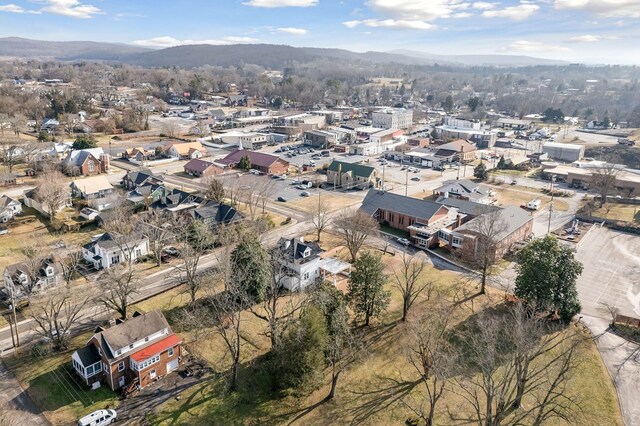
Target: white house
[20,280]
[106,250]
[301,263]
[31,199]
[9,208]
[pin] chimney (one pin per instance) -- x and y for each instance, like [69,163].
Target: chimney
[104,162]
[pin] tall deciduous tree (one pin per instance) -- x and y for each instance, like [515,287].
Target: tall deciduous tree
[366,293]
[547,274]
[411,283]
[119,284]
[319,217]
[603,181]
[355,228]
[215,190]
[56,318]
[52,192]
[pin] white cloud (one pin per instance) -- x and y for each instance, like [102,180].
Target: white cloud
[166,41]
[281,3]
[591,38]
[462,15]
[533,46]
[483,5]
[13,8]
[391,23]
[417,10]
[607,8]
[72,8]
[293,31]
[517,13]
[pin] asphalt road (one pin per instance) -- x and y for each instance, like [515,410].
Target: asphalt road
[20,410]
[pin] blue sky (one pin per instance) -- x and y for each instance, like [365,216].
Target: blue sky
[593,31]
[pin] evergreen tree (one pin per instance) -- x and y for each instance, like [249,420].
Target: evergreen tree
[480,171]
[244,163]
[84,142]
[547,275]
[250,269]
[366,293]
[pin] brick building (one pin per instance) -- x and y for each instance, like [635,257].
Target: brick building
[266,163]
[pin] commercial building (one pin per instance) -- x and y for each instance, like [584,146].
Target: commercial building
[455,128]
[563,151]
[392,118]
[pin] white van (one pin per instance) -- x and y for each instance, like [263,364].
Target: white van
[98,418]
[534,204]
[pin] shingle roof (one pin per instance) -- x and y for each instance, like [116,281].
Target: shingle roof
[457,146]
[258,159]
[198,165]
[413,207]
[88,355]
[512,216]
[466,206]
[92,185]
[134,329]
[5,201]
[78,156]
[357,169]
[221,213]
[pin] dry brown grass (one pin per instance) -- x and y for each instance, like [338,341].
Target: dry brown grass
[333,201]
[517,195]
[624,212]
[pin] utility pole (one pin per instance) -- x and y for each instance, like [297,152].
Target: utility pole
[15,318]
[553,179]
[406,182]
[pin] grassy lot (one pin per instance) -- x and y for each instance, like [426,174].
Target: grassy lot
[369,391]
[516,195]
[55,388]
[625,212]
[333,201]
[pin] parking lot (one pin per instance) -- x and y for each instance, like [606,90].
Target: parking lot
[611,262]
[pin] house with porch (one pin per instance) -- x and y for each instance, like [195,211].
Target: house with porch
[185,150]
[9,208]
[300,262]
[134,352]
[106,250]
[136,178]
[21,279]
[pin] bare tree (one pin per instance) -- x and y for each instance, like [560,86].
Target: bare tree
[56,318]
[519,356]
[10,152]
[266,188]
[52,192]
[319,217]
[432,357]
[119,284]
[355,228]
[196,238]
[215,190]
[170,128]
[482,248]
[410,282]
[603,181]
[70,266]
[278,307]
[158,227]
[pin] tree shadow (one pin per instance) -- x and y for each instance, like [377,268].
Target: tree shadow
[374,401]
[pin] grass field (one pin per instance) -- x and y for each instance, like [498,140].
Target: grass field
[515,195]
[370,390]
[624,212]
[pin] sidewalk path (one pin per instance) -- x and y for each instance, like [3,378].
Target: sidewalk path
[614,351]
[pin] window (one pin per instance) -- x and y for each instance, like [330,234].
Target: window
[121,366]
[152,374]
[170,352]
[131,346]
[305,276]
[92,166]
[115,259]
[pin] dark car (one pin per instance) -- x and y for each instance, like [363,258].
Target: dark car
[282,199]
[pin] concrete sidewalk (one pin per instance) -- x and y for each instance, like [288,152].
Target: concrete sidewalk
[24,410]
[614,351]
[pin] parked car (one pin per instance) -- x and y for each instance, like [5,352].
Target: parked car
[305,194]
[403,241]
[282,199]
[415,178]
[99,418]
[171,251]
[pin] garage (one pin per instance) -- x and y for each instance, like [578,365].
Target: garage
[172,365]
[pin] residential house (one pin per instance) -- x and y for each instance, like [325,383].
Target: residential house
[136,178]
[33,200]
[7,179]
[106,250]
[459,150]
[135,352]
[351,175]
[147,194]
[300,263]
[22,279]
[176,200]
[421,219]
[214,214]
[464,189]
[185,150]
[92,188]
[202,168]
[50,125]
[9,208]
[139,154]
[266,163]
[55,151]
[515,225]
[86,162]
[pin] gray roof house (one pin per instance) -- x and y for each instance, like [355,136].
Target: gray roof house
[463,189]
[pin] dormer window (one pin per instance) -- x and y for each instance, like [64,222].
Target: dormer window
[146,339]
[306,253]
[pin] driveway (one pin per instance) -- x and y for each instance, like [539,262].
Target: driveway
[611,262]
[620,358]
[24,411]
